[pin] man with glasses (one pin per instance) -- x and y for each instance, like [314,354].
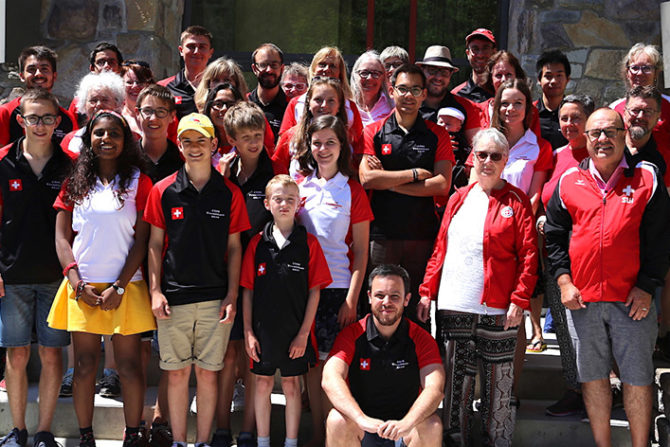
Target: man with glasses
[406,163]
[438,68]
[479,47]
[267,63]
[37,68]
[32,170]
[608,238]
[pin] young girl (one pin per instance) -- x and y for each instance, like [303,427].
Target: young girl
[101,241]
[336,210]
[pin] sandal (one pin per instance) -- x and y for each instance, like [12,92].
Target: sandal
[536,345]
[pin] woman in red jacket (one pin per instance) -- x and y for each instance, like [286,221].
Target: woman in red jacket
[482,274]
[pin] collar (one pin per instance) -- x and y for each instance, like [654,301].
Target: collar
[278,100]
[264,167]
[542,109]
[182,182]
[528,137]
[16,153]
[622,166]
[181,81]
[372,333]
[392,125]
[340,180]
[298,232]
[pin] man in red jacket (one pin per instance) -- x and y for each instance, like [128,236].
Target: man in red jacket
[608,242]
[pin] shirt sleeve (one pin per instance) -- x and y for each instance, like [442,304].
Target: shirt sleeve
[427,352]
[268,138]
[239,219]
[61,203]
[248,273]
[319,273]
[360,205]
[144,186]
[289,117]
[344,347]
[281,159]
[153,211]
[369,133]
[444,150]
[545,159]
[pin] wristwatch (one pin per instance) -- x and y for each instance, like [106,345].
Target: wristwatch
[120,290]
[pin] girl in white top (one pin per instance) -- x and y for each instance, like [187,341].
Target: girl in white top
[101,241]
[334,207]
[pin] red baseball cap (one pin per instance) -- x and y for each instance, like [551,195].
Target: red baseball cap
[483,32]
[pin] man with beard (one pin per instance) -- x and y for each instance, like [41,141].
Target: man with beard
[384,376]
[479,47]
[643,109]
[438,68]
[267,63]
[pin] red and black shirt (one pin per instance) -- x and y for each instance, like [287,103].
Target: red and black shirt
[183,93]
[384,375]
[274,110]
[10,130]
[27,247]
[168,164]
[400,216]
[197,225]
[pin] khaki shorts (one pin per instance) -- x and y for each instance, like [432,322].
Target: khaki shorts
[193,335]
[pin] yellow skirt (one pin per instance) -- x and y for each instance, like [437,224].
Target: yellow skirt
[133,316]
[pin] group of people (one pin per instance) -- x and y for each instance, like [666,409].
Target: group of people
[243,232]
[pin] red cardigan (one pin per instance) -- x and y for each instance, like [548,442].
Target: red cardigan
[510,249]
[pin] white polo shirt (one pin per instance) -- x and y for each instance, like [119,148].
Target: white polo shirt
[328,210]
[520,166]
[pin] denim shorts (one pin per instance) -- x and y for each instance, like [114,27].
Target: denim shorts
[25,306]
[604,332]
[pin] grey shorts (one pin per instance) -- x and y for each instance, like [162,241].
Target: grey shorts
[604,332]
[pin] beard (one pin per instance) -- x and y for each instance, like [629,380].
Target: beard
[638,132]
[268,80]
[386,320]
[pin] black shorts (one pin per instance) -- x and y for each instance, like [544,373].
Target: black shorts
[326,326]
[374,440]
[237,331]
[288,367]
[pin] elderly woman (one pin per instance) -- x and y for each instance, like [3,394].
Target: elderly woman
[294,80]
[370,87]
[393,57]
[96,91]
[482,274]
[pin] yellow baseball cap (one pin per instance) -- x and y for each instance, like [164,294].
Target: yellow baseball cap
[198,122]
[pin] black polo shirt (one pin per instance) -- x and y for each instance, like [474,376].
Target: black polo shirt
[550,128]
[183,93]
[470,90]
[168,164]
[649,152]
[400,216]
[197,225]
[281,280]
[274,111]
[384,375]
[254,194]
[27,247]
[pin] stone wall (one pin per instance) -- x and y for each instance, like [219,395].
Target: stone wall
[594,34]
[142,29]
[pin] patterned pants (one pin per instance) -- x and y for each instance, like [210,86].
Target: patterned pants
[477,343]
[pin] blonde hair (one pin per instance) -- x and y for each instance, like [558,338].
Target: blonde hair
[651,51]
[243,115]
[334,52]
[280,180]
[217,68]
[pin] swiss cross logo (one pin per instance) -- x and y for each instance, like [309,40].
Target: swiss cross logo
[261,269]
[507,212]
[629,192]
[16,185]
[365,364]
[386,149]
[177,99]
[177,213]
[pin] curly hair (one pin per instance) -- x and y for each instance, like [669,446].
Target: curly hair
[86,169]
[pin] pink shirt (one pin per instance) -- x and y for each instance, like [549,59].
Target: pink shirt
[607,186]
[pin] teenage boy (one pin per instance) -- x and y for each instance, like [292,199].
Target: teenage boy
[194,268]
[553,75]
[284,270]
[37,68]
[248,166]
[32,170]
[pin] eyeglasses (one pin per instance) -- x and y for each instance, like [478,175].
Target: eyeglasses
[610,132]
[494,156]
[402,90]
[637,69]
[34,120]
[220,105]
[296,86]
[434,71]
[365,74]
[645,112]
[148,111]
[273,65]
[393,65]
[112,62]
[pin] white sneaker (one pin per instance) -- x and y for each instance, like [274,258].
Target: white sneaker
[194,405]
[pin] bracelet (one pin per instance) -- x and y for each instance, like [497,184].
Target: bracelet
[70,266]
[79,289]
[415,173]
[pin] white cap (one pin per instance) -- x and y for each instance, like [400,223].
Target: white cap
[451,111]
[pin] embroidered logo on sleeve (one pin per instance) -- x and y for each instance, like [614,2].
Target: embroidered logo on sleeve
[507,212]
[365,364]
[16,185]
[177,213]
[261,269]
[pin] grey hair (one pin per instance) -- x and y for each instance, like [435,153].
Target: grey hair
[395,51]
[97,81]
[356,79]
[295,69]
[649,50]
[491,134]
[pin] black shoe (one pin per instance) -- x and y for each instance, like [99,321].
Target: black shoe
[87,440]
[15,438]
[160,435]
[66,385]
[570,404]
[132,440]
[617,396]
[110,385]
[246,439]
[44,439]
[222,438]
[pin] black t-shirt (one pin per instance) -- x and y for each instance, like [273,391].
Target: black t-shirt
[168,164]
[470,90]
[550,127]
[274,111]
[649,152]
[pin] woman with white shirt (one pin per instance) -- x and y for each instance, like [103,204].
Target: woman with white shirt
[335,208]
[370,87]
[482,274]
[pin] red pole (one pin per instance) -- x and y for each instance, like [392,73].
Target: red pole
[370,38]
[412,30]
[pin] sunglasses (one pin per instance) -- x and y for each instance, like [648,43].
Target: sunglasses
[494,156]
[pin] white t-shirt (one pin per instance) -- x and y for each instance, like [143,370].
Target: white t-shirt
[381,109]
[105,229]
[520,166]
[462,282]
